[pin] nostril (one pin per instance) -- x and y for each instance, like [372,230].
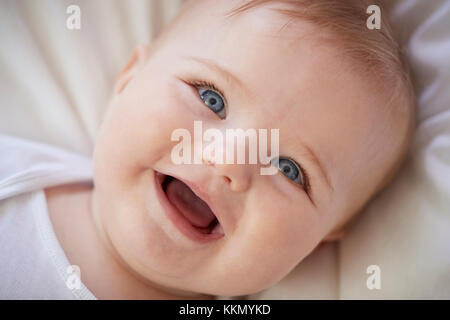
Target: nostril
[227,180]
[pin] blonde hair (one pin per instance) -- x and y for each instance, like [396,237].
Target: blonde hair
[374,52]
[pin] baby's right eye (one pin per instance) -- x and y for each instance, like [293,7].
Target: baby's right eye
[211,96]
[213,101]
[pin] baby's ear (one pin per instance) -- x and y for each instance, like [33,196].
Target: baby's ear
[137,60]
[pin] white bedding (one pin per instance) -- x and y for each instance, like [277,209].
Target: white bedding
[55,84]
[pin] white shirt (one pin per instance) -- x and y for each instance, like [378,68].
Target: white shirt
[32,263]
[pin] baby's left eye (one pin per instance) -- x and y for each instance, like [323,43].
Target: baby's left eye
[290,169]
[213,101]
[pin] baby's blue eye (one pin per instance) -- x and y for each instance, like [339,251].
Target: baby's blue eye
[290,169]
[213,100]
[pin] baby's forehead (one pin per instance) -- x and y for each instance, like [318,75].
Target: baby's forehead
[265,20]
[258,43]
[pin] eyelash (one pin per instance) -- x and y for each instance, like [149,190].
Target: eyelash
[307,186]
[208,84]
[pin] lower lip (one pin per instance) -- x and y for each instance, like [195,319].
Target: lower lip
[182,224]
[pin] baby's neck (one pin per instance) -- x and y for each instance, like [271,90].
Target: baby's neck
[70,210]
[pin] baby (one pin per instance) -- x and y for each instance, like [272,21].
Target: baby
[154,229]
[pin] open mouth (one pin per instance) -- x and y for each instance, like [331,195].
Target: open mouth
[190,213]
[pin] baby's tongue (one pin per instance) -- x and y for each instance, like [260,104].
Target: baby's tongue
[192,207]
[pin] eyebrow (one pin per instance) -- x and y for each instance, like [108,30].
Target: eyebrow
[216,68]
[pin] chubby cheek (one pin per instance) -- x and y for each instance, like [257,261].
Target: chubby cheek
[135,135]
[131,139]
[137,129]
[274,235]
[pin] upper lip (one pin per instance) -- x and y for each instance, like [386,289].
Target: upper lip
[201,193]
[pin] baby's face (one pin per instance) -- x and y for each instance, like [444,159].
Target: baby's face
[272,75]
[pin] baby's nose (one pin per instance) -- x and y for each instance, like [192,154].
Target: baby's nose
[236,176]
